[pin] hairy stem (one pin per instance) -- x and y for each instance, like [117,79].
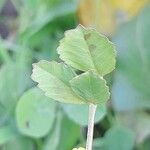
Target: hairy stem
[92,110]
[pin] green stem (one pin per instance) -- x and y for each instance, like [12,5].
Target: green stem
[92,110]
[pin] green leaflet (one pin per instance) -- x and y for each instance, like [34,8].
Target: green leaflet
[35,113]
[53,78]
[91,87]
[86,49]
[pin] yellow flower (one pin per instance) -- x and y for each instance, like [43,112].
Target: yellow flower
[104,14]
[80,148]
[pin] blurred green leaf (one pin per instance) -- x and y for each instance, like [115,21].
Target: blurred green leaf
[119,138]
[79,113]
[70,133]
[35,113]
[47,51]
[116,138]
[1,4]
[85,49]
[145,145]
[6,134]
[53,79]
[11,88]
[53,139]
[98,144]
[8,92]
[48,14]
[133,70]
[19,143]
[64,129]
[138,122]
[91,87]
[125,95]
[4,55]
[142,126]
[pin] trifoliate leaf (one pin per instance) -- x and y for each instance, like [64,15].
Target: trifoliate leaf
[53,78]
[91,87]
[86,49]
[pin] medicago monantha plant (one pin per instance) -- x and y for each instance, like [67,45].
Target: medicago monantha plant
[82,50]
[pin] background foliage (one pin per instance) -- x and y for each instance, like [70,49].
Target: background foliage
[30,31]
